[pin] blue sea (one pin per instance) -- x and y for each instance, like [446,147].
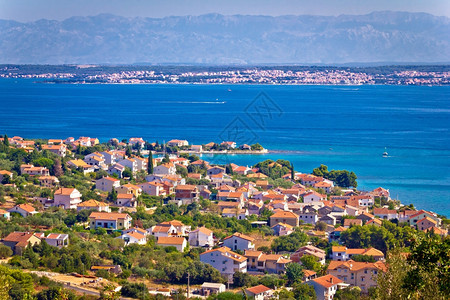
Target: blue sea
[343,127]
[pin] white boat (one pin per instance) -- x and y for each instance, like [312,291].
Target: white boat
[385,154]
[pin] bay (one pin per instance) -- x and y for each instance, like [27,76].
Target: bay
[344,127]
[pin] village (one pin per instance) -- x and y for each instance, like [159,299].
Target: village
[267,231]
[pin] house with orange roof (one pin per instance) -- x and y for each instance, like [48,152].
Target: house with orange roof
[18,241]
[309,179]
[342,253]
[153,188]
[361,274]
[68,198]
[59,240]
[325,186]
[165,169]
[287,217]
[257,175]
[126,200]
[186,193]
[225,261]
[308,275]
[24,210]
[34,171]
[133,237]
[172,241]
[259,292]
[375,222]
[240,214]
[422,214]
[59,149]
[326,286]
[129,189]
[352,222]
[385,214]
[201,237]
[313,196]
[48,181]
[177,143]
[426,223]
[115,221]
[79,164]
[381,192]
[239,241]
[107,184]
[93,204]
[264,184]
[228,204]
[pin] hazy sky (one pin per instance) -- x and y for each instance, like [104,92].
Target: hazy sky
[30,10]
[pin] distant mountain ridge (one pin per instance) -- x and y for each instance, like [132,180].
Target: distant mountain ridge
[237,39]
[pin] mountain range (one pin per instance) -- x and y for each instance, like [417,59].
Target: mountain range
[236,39]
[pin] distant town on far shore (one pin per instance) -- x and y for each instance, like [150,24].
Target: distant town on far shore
[198,74]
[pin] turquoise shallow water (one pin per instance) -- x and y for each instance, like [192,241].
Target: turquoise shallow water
[344,127]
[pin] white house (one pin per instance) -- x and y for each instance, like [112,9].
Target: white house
[133,237]
[59,240]
[129,163]
[67,198]
[165,169]
[177,143]
[23,209]
[107,184]
[59,150]
[313,196]
[201,237]
[239,241]
[225,261]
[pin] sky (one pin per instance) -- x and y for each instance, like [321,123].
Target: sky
[31,10]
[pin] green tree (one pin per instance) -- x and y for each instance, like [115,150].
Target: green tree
[5,251]
[6,140]
[290,243]
[349,293]
[310,263]
[294,272]
[303,291]
[150,163]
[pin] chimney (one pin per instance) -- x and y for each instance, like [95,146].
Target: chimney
[331,279]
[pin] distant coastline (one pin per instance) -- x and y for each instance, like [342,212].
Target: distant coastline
[427,75]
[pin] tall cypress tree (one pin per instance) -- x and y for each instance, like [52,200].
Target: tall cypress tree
[292,172]
[6,140]
[150,163]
